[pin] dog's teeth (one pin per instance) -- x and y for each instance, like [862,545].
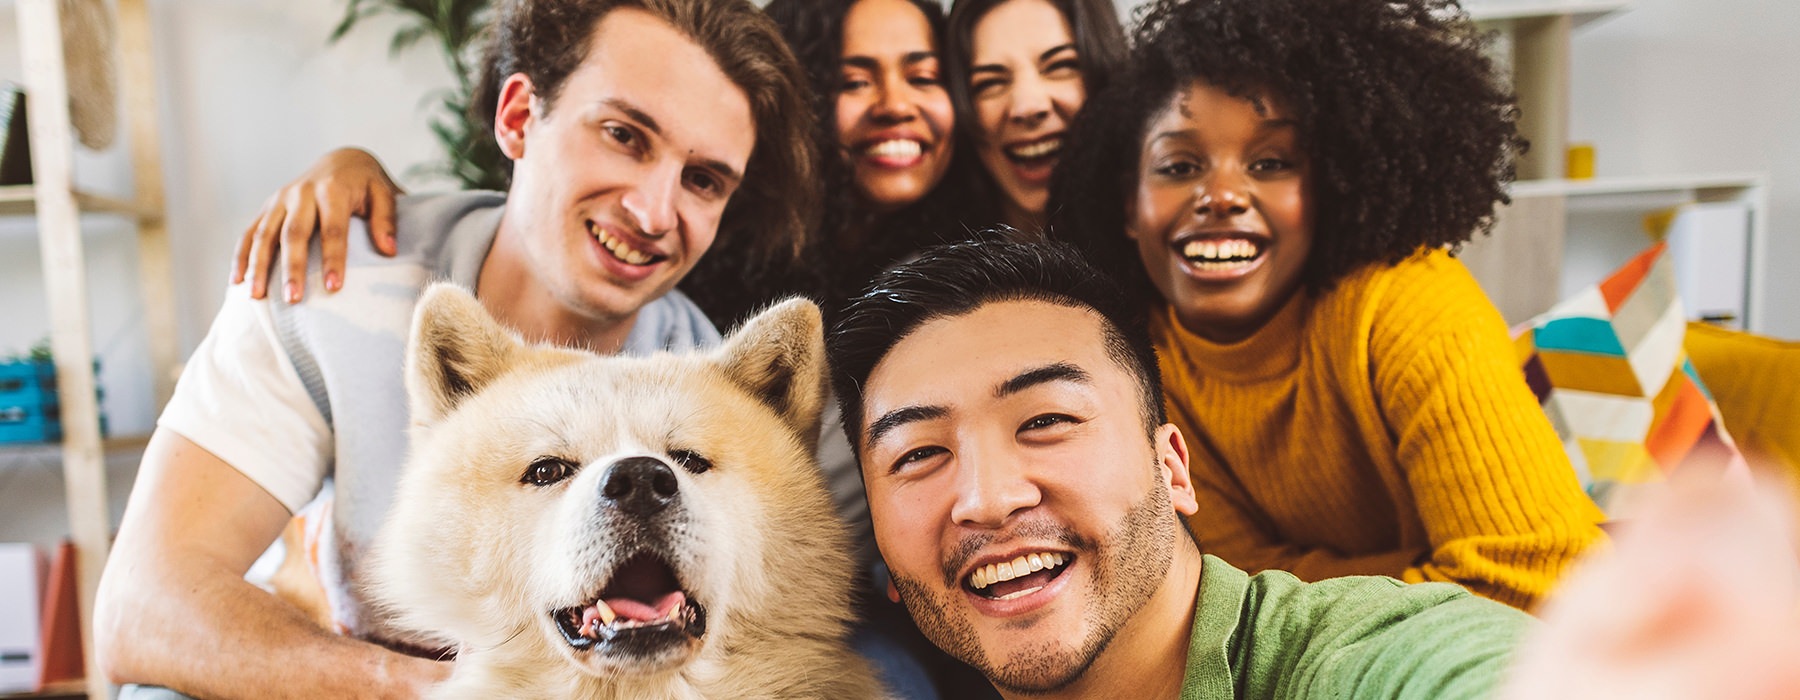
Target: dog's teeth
[606,612]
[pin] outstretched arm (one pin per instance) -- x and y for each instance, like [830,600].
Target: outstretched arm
[346,182]
[174,609]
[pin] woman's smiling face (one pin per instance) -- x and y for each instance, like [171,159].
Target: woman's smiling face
[1026,85]
[894,117]
[1222,217]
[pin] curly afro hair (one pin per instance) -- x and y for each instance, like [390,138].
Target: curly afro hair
[1412,134]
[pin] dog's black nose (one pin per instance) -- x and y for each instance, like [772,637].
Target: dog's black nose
[641,485]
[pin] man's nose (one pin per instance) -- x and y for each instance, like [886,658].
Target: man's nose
[992,486]
[651,204]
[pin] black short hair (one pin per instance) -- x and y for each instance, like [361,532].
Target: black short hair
[955,279]
[1412,133]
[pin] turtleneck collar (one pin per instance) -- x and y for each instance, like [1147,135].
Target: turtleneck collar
[1271,351]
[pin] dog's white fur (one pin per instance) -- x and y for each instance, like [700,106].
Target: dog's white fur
[475,557]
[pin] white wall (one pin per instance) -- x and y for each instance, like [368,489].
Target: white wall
[1685,86]
[250,94]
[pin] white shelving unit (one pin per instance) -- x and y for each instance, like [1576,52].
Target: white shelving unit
[58,206]
[1521,264]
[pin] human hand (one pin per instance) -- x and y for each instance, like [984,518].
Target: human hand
[1699,598]
[346,182]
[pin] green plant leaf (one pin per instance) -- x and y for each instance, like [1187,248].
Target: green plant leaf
[456,27]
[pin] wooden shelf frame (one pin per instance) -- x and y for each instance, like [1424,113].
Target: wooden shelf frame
[1581,11]
[1520,265]
[53,199]
[21,200]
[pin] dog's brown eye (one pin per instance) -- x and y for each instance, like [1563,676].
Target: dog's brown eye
[548,470]
[691,461]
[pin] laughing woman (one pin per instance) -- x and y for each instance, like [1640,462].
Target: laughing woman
[883,109]
[1281,179]
[1019,71]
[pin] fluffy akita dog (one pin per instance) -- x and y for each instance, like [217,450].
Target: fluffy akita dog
[579,526]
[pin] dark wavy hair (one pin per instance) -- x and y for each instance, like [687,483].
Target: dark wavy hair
[772,215]
[1099,44]
[832,266]
[955,279]
[1412,134]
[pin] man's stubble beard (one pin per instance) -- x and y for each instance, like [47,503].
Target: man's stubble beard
[1131,567]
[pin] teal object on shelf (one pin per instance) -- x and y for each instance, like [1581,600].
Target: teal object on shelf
[29,408]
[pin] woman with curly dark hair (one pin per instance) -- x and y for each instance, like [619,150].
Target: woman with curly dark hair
[1019,71]
[1284,181]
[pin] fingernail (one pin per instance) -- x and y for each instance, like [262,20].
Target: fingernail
[331,281]
[293,292]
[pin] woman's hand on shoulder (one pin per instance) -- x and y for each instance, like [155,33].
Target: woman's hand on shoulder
[346,182]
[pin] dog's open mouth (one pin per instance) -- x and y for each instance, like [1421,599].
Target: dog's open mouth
[642,609]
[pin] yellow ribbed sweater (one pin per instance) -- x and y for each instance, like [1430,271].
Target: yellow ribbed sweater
[1382,427]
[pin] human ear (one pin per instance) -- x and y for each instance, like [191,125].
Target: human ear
[1172,460]
[513,114]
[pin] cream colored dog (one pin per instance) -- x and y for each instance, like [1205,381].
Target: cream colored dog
[579,526]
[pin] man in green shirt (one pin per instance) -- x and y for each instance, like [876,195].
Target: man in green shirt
[1028,497]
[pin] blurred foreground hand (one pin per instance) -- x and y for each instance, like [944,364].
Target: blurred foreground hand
[1699,598]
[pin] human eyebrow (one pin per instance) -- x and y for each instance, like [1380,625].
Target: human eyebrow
[1052,51]
[719,167]
[1169,135]
[892,420]
[863,62]
[723,170]
[918,57]
[1055,372]
[636,115]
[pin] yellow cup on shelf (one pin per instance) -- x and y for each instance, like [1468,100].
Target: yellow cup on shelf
[1580,162]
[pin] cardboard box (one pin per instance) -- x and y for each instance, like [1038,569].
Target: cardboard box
[21,598]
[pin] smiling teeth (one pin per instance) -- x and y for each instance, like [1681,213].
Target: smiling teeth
[1038,149]
[1219,251]
[1009,570]
[897,148]
[618,247]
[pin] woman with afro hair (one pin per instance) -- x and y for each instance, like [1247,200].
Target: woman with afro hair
[1284,182]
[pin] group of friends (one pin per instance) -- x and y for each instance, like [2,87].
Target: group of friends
[1219,358]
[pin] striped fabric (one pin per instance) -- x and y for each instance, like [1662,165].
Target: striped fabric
[1609,368]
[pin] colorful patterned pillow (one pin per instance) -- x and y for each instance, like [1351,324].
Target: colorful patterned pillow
[1609,368]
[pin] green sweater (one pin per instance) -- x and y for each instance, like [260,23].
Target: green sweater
[1274,636]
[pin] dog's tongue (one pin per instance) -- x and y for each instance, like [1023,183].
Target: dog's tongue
[633,609]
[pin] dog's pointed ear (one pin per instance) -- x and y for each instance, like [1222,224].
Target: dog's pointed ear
[779,357]
[456,348]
